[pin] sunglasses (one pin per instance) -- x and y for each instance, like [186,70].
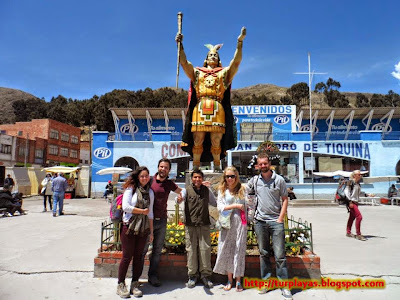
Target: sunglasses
[230,176]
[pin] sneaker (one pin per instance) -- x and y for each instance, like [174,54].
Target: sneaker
[122,291]
[8,214]
[191,282]
[44,210]
[350,235]
[287,294]
[360,237]
[154,281]
[22,213]
[207,282]
[135,289]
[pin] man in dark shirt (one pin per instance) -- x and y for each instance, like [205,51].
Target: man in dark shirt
[161,187]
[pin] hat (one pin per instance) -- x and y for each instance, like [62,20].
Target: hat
[109,181]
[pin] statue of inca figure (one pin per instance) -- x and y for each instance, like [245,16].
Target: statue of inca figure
[210,129]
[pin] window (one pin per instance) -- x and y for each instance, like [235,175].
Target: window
[6,149]
[64,137]
[21,151]
[74,154]
[39,153]
[255,131]
[86,161]
[74,139]
[53,150]
[64,152]
[80,161]
[53,134]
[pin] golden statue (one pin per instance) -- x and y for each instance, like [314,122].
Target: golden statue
[210,129]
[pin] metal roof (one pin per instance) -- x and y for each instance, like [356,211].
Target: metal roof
[155,113]
[359,113]
[323,113]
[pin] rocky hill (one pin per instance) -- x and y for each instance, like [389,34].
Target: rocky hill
[7,97]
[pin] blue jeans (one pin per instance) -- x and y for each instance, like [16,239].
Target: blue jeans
[159,230]
[265,230]
[58,197]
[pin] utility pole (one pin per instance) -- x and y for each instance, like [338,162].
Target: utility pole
[26,148]
[310,77]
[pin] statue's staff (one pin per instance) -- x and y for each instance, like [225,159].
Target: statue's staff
[180,15]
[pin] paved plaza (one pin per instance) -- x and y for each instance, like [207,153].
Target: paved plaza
[43,257]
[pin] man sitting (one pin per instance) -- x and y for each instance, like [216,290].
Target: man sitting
[7,201]
[392,191]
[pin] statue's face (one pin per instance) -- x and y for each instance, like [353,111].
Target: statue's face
[212,59]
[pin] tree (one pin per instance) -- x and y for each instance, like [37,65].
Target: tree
[377,100]
[392,99]
[298,92]
[330,90]
[362,100]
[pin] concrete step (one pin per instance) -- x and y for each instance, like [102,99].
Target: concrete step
[309,202]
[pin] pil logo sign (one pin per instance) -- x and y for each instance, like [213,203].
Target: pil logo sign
[281,120]
[102,153]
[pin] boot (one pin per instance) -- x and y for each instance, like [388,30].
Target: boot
[135,289]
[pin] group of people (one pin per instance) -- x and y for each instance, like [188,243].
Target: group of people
[145,218]
[54,187]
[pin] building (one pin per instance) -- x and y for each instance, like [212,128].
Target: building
[340,139]
[44,142]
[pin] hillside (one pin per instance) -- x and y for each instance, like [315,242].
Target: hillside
[7,97]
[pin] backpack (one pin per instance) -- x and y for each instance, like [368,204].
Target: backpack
[116,209]
[340,196]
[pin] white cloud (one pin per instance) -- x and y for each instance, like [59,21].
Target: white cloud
[396,73]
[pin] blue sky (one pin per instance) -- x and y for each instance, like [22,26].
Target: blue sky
[83,48]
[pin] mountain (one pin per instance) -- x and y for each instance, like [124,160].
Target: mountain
[7,97]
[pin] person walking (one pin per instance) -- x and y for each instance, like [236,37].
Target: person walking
[352,192]
[161,186]
[47,192]
[197,197]
[137,226]
[232,241]
[58,187]
[269,188]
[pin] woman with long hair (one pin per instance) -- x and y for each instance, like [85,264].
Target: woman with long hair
[233,236]
[137,225]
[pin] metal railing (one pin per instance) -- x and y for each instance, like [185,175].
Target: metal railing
[298,234]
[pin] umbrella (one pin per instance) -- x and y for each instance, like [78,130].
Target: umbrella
[61,169]
[114,170]
[337,173]
[387,178]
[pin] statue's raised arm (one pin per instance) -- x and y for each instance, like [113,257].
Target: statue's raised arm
[186,65]
[237,58]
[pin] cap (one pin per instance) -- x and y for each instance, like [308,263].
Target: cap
[109,181]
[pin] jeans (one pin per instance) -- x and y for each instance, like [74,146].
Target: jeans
[58,197]
[266,230]
[159,230]
[354,214]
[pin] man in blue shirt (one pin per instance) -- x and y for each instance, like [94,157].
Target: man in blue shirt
[58,186]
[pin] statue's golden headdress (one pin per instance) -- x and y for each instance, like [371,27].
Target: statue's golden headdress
[213,49]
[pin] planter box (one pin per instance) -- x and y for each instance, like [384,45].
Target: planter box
[173,266]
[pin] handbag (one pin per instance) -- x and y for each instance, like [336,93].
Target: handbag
[43,190]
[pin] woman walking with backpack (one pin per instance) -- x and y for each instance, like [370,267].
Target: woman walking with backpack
[137,225]
[353,191]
